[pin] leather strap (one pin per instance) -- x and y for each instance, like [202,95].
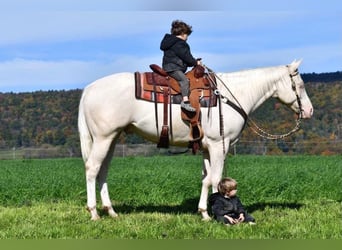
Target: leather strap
[164,136]
[156,106]
[166,102]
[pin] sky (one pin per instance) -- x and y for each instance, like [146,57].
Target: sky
[66,44]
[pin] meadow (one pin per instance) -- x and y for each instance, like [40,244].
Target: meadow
[291,197]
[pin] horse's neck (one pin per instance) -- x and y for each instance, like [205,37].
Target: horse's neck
[251,88]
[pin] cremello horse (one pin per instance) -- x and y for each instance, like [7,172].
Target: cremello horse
[108,106]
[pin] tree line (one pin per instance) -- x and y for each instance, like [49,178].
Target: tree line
[41,118]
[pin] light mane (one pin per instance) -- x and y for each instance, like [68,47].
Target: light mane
[252,85]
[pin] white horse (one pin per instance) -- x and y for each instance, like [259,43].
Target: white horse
[108,106]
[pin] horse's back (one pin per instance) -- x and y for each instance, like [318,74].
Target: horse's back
[112,83]
[109,90]
[107,102]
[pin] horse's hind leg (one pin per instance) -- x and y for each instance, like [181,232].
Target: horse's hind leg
[102,179]
[98,154]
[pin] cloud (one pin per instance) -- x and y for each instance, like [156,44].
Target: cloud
[21,75]
[25,75]
[118,5]
[175,5]
[57,26]
[316,58]
[65,45]
[20,27]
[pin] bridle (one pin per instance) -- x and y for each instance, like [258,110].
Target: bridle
[262,133]
[248,121]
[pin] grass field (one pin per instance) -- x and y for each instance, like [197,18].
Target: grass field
[297,197]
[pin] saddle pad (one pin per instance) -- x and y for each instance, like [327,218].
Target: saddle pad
[149,92]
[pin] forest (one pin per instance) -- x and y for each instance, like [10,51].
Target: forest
[49,118]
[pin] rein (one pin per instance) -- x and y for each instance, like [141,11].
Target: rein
[255,128]
[262,133]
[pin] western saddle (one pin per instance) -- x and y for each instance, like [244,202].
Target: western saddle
[159,87]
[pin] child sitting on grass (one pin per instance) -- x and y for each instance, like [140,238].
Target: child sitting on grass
[226,206]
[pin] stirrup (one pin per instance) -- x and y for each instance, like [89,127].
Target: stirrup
[187,107]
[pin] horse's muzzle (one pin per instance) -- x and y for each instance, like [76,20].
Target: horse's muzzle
[307,113]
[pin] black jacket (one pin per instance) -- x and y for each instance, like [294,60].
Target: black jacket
[177,54]
[221,206]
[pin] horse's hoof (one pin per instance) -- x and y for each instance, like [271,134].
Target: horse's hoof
[93,213]
[110,211]
[206,219]
[95,218]
[205,215]
[113,214]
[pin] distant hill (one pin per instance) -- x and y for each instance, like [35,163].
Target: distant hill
[39,118]
[322,77]
[50,118]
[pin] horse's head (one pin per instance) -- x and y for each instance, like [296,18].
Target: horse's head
[291,91]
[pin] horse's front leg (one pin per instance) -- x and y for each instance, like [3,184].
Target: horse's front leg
[213,163]
[206,171]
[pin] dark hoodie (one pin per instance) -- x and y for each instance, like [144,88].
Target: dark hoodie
[177,55]
[221,206]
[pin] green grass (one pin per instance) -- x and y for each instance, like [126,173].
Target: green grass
[297,197]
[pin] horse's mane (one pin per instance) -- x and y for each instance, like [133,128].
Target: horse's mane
[251,83]
[249,76]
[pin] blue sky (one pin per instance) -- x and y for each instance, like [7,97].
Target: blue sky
[55,45]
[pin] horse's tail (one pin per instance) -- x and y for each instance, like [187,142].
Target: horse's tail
[85,136]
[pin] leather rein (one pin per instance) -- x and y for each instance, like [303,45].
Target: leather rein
[255,128]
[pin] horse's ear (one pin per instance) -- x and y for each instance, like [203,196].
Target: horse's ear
[295,65]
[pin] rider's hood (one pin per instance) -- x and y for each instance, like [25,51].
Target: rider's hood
[168,41]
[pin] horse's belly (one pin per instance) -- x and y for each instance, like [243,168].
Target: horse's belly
[145,123]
